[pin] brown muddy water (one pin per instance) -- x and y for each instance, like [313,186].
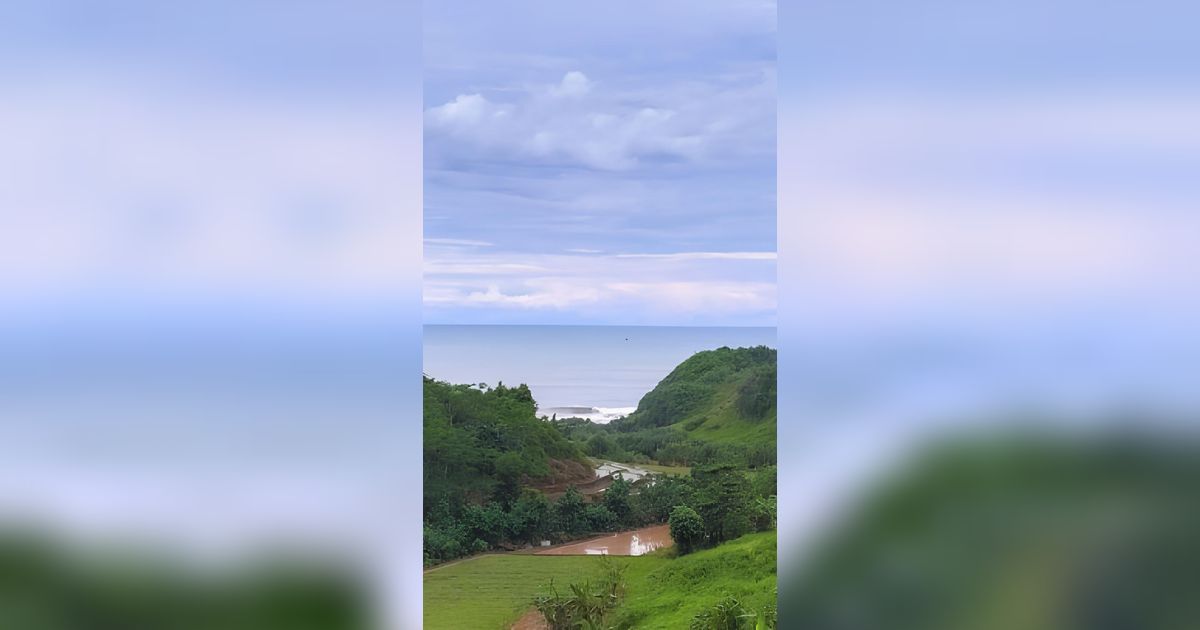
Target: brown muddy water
[632,543]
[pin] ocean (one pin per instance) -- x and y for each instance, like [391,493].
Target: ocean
[598,372]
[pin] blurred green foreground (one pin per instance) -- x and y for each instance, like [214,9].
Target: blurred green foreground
[1022,534]
[45,586]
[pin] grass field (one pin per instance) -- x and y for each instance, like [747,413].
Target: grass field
[491,592]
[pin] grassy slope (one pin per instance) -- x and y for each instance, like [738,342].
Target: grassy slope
[491,592]
[667,592]
[720,422]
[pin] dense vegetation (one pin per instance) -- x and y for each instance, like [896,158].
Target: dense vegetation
[717,406]
[728,501]
[1034,534]
[484,448]
[481,444]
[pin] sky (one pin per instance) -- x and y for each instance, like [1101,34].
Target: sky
[607,163]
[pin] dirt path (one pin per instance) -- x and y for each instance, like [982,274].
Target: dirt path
[531,620]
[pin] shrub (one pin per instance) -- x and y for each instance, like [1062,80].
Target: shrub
[727,614]
[588,604]
[764,514]
[687,529]
[570,513]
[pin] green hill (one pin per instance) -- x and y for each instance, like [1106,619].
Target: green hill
[717,401]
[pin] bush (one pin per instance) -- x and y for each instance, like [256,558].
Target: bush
[687,529]
[570,513]
[617,499]
[764,514]
[727,614]
[731,614]
[588,604]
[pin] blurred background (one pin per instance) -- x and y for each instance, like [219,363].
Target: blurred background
[210,320]
[987,314]
[209,314]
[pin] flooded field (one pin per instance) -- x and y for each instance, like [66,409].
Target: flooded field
[631,543]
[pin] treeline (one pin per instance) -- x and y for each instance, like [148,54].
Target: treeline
[663,445]
[481,444]
[723,503]
[729,502]
[452,531]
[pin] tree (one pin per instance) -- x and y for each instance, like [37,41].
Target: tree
[655,501]
[570,512]
[600,445]
[600,518]
[723,501]
[687,528]
[616,499]
[529,519]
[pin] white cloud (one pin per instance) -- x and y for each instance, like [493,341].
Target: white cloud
[456,242]
[706,256]
[574,123]
[574,84]
[684,286]
[465,109]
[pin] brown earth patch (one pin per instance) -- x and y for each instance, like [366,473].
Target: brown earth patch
[531,620]
[565,473]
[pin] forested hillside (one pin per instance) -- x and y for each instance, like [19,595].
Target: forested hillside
[718,405]
[482,444]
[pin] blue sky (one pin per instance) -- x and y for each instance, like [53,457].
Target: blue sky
[600,163]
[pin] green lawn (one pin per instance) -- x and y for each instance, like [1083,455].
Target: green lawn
[491,592]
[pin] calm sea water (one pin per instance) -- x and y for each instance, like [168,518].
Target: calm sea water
[604,367]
